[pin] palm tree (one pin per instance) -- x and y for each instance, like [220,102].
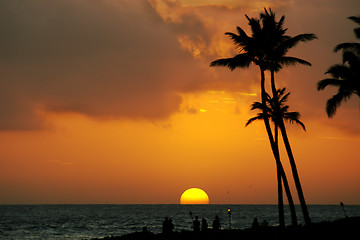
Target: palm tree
[267,48]
[345,76]
[252,50]
[278,112]
[277,58]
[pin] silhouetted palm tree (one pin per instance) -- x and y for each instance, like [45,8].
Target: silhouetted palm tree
[267,48]
[278,112]
[252,49]
[277,58]
[345,76]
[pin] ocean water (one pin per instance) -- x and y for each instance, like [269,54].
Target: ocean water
[90,221]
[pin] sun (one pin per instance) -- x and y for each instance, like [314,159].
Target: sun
[194,196]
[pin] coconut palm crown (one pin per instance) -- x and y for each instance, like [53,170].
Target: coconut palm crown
[345,76]
[274,112]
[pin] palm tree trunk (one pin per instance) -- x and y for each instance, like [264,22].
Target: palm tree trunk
[291,158]
[280,190]
[279,166]
[281,172]
[288,194]
[295,174]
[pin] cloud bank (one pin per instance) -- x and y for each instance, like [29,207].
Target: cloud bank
[99,58]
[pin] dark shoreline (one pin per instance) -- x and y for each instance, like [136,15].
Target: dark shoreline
[345,228]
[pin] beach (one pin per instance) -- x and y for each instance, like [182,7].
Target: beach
[345,228]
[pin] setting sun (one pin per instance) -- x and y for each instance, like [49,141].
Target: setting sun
[194,196]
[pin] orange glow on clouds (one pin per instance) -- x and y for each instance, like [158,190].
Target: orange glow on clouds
[86,161]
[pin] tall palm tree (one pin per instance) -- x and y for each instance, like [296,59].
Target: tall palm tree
[277,58]
[278,112]
[252,50]
[345,76]
[267,48]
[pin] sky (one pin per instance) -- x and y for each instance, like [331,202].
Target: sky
[114,102]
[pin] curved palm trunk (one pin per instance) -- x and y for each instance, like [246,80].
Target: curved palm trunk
[280,199]
[295,174]
[291,159]
[280,170]
[280,190]
[288,193]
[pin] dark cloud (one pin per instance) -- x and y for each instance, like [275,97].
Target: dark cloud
[100,58]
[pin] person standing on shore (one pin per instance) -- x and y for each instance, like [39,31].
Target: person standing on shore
[168,226]
[196,224]
[216,224]
[255,224]
[204,225]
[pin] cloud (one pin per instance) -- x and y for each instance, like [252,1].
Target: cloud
[104,59]
[99,58]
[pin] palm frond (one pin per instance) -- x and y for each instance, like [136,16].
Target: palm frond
[339,71]
[280,92]
[259,116]
[241,32]
[242,60]
[305,37]
[257,105]
[284,99]
[294,117]
[322,84]
[233,36]
[333,103]
[255,26]
[280,24]
[291,61]
[283,110]
[352,46]
[355,19]
[240,40]
[291,42]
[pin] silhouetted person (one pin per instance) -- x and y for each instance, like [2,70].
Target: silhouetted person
[168,226]
[196,224]
[264,223]
[171,225]
[255,223]
[216,223]
[204,225]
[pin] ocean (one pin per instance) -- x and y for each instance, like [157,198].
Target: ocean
[91,221]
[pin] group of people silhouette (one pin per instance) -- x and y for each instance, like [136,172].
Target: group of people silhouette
[168,226]
[204,225]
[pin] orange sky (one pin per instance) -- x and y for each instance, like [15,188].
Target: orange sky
[115,102]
